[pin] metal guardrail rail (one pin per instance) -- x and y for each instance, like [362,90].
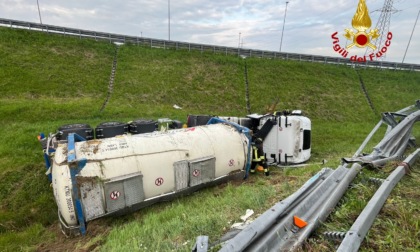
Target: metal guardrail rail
[287,224]
[177,45]
[355,236]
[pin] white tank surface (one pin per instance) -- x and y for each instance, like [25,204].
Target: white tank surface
[127,172]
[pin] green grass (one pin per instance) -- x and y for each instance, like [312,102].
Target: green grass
[174,225]
[47,80]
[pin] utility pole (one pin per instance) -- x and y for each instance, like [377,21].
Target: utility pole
[383,24]
[239,41]
[284,21]
[411,37]
[169,19]
[39,12]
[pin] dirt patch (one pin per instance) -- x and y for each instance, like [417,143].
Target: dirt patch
[96,232]
[89,55]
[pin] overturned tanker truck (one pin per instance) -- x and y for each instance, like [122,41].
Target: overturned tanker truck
[118,168]
[115,175]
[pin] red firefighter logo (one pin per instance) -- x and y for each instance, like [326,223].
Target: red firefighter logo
[361,22]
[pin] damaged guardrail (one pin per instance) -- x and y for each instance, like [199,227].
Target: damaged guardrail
[287,224]
[361,226]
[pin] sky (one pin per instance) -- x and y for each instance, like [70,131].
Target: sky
[250,24]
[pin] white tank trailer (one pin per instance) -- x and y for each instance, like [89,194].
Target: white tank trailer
[101,177]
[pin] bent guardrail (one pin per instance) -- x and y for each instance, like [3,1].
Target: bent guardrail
[287,224]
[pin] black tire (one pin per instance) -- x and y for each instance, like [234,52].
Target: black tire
[176,124]
[197,120]
[110,129]
[141,126]
[81,129]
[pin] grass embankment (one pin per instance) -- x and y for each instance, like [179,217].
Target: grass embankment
[48,80]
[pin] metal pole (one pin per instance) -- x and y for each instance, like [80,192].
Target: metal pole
[169,19]
[411,36]
[39,12]
[284,21]
[239,41]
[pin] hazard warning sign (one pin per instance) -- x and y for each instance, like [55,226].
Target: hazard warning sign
[114,195]
[196,173]
[159,181]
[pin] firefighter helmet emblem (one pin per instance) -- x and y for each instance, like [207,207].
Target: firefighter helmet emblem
[361,22]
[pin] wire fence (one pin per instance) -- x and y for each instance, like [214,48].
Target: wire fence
[177,45]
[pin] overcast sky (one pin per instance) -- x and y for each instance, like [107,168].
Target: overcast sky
[255,24]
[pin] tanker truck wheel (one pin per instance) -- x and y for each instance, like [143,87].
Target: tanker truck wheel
[81,129]
[140,126]
[111,129]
